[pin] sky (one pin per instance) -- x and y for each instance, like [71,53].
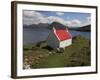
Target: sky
[71,19]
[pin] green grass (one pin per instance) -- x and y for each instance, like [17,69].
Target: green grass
[42,56]
[55,60]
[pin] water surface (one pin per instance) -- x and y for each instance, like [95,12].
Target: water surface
[34,35]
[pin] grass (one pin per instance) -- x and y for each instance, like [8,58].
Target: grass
[42,56]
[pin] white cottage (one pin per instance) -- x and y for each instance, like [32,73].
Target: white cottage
[59,36]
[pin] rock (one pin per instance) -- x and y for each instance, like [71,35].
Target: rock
[59,50]
[50,52]
[26,67]
[26,59]
[41,56]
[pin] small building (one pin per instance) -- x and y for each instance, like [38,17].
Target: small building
[59,36]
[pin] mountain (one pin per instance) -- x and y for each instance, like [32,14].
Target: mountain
[40,25]
[57,25]
[83,28]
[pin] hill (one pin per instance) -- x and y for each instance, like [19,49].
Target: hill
[58,25]
[42,56]
[83,28]
[40,25]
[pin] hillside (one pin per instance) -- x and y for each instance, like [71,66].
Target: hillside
[42,56]
[84,28]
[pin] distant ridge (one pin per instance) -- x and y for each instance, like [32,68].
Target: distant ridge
[83,28]
[40,25]
[58,25]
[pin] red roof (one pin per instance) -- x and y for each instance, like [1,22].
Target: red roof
[62,34]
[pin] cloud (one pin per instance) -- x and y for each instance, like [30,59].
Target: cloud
[89,18]
[73,23]
[57,19]
[59,13]
[76,21]
[70,23]
[87,21]
[33,17]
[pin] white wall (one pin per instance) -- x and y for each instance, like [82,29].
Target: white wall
[5,43]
